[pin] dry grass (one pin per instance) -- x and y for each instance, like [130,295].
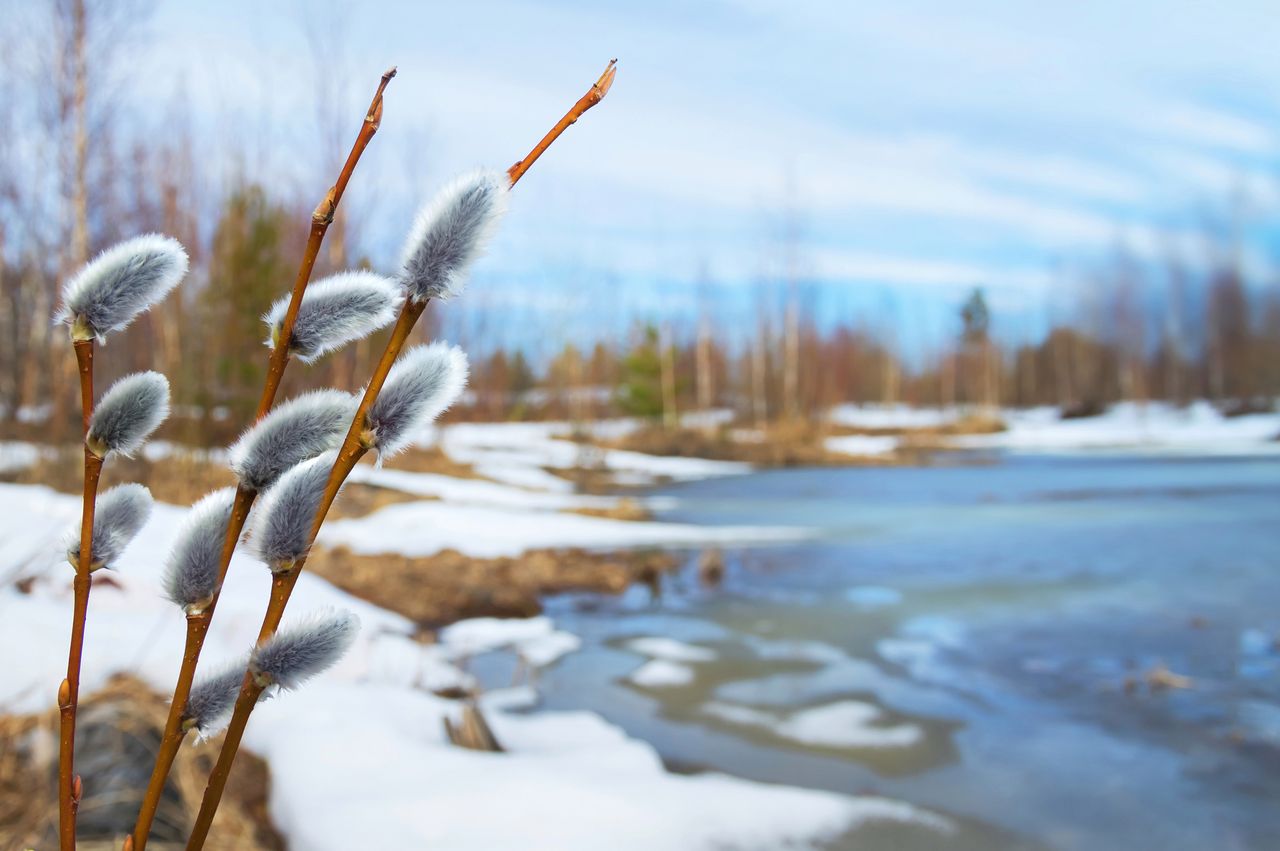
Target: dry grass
[28,756]
[179,479]
[626,509]
[433,460]
[449,586]
[798,443]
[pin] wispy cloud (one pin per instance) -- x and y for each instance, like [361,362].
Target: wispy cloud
[995,136]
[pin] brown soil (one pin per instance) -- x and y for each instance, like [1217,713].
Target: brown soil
[178,479]
[626,509]
[432,460]
[28,756]
[798,444]
[439,589]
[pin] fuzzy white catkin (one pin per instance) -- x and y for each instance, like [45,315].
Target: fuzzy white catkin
[294,432]
[128,413]
[212,700]
[118,516]
[292,656]
[450,232]
[191,571]
[282,529]
[424,382]
[121,282]
[334,312]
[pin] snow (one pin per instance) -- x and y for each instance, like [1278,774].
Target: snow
[902,417]
[847,724]
[536,640]
[568,780]
[1153,427]
[474,491]
[660,673]
[842,724]
[519,454]
[659,647]
[16,455]
[423,528]
[358,758]
[862,445]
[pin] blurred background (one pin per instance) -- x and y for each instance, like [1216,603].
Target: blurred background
[800,204]
[907,372]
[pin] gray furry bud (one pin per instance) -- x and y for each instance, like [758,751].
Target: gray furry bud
[335,311]
[421,385]
[299,429]
[212,700]
[128,414]
[450,233]
[282,529]
[291,657]
[120,283]
[191,572]
[119,514]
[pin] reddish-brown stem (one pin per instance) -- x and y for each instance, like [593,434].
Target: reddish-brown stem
[282,584]
[352,450]
[198,622]
[69,691]
[197,629]
[321,218]
[250,691]
[594,95]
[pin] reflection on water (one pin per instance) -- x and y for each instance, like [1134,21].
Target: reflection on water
[1003,645]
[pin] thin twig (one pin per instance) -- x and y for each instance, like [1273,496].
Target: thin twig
[353,449]
[198,621]
[593,96]
[70,787]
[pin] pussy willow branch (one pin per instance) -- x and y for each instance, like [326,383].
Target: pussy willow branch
[198,621]
[593,96]
[354,447]
[70,787]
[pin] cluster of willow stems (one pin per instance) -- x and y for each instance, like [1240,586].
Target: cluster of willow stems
[358,442]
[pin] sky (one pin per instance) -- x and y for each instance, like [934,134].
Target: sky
[888,155]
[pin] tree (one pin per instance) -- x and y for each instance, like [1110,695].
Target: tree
[246,265]
[640,386]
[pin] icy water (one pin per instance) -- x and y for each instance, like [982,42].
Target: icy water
[975,640]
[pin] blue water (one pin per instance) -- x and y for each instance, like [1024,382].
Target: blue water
[1013,614]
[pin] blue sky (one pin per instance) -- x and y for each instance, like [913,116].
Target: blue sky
[919,148]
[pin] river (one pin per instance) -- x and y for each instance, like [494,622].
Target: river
[1003,644]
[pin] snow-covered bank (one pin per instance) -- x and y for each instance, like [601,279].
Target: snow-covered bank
[903,417]
[358,759]
[520,453]
[423,528]
[1153,427]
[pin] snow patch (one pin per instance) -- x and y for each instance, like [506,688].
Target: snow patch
[657,647]
[842,724]
[423,528]
[862,445]
[660,673]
